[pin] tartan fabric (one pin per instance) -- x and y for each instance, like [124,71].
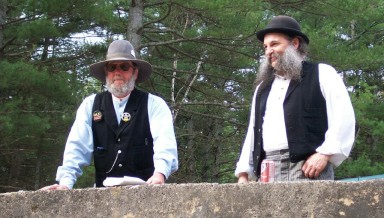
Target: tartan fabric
[287,171]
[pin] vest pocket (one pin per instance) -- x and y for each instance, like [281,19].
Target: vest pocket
[142,157]
[100,158]
[314,120]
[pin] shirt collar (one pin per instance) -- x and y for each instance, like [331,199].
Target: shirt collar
[120,100]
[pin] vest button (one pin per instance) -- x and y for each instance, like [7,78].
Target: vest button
[120,165]
[118,139]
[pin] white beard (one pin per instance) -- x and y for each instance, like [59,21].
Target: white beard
[120,90]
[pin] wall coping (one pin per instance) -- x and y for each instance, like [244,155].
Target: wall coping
[280,199]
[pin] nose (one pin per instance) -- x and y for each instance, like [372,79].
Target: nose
[268,51]
[118,70]
[117,74]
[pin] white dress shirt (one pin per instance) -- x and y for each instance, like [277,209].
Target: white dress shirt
[79,147]
[339,137]
[274,134]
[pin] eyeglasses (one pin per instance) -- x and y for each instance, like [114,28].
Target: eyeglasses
[123,67]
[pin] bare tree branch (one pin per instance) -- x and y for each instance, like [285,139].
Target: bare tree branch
[215,117]
[194,73]
[226,105]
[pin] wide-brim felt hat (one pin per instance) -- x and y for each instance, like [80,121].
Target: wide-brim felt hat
[121,50]
[282,24]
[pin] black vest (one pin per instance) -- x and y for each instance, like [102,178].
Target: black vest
[305,117]
[125,149]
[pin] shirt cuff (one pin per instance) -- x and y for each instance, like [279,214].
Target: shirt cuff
[337,156]
[162,167]
[67,182]
[248,170]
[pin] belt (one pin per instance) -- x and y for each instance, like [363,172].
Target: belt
[277,152]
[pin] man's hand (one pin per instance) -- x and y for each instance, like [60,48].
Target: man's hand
[157,178]
[243,178]
[315,164]
[54,187]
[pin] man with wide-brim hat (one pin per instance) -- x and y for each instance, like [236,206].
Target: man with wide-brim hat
[121,50]
[302,120]
[128,132]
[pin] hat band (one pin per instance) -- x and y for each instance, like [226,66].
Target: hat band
[120,56]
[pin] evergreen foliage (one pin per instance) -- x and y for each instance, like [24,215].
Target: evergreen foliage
[205,57]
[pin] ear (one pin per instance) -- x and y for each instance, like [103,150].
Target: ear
[136,73]
[296,42]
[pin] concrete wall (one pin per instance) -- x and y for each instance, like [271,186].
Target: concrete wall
[296,199]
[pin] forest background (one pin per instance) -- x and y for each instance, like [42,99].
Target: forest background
[205,58]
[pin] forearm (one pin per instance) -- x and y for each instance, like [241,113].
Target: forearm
[340,135]
[164,141]
[165,162]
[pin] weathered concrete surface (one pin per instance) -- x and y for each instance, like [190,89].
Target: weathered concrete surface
[296,199]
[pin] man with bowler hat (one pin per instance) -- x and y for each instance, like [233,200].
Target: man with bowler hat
[301,116]
[128,132]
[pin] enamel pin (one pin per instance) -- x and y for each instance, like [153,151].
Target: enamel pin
[126,117]
[97,116]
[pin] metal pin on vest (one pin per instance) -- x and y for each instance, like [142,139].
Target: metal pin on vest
[126,116]
[97,116]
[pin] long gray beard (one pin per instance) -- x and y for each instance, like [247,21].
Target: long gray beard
[289,65]
[121,91]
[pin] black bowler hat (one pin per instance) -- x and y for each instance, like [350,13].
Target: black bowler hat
[282,24]
[121,50]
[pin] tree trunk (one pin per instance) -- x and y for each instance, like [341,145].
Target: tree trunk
[3,12]
[14,170]
[190,173]
[44,55]
[135,24]
[39,157]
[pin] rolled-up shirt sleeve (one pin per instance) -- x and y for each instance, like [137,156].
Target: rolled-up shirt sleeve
[340,135]
[79,146]
[164,141]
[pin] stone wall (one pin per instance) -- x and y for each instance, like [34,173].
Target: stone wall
[295,199]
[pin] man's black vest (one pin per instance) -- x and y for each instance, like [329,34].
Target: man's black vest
[305,117]
[125,149]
